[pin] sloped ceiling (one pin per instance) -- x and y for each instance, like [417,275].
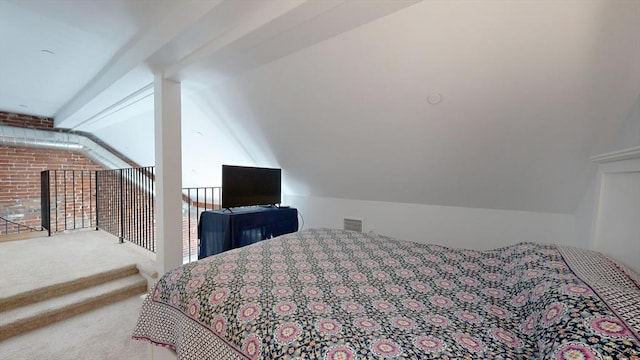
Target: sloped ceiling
[528,92]
[488,104]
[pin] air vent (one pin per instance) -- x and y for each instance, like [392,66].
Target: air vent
[353,225]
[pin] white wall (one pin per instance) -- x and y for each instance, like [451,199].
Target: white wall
[617,228]
[206,142]
[627,136]
[446,225]
[608,218]
[584,216]
[206,145]
[133,138]
[594,205]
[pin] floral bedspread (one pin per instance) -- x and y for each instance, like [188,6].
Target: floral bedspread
[333,294]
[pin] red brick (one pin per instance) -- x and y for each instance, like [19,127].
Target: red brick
[27,121]
[20,176]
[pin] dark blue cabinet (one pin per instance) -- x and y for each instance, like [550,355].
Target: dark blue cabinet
[223,230]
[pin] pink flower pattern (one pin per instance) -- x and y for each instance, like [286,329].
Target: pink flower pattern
[530,324]
[386,348]
[469,316]
[469,342]
[194,308]
[384,306]
[577,290]
[403,323]
[319,308]
[250,291]
[575,351]
[340,353]
[328,326]
[249,312]
[412,304]
[429,344]
[219,325]
[553,313]
[437,320]
[287,332]
[506,337]
[219,296]
[421,287]
[609,326]
[352,307]
[285,308]
[367,324]
[252,347]
[468,297]
[441,301]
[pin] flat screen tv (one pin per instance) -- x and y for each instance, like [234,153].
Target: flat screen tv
[250,186]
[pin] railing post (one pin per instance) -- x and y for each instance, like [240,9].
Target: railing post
[55,190]
[96,192]
[66,207]
[45,201]
[73,190]
[121,206]
[189,218]
[82,196]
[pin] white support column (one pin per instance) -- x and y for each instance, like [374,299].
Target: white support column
[168,152]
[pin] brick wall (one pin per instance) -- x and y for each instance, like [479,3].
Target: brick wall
[20,169]
[26,121]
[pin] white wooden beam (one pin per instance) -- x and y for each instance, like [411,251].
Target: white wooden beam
[168,151]
[130,56]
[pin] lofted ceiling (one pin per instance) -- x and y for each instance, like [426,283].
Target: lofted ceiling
[480,103]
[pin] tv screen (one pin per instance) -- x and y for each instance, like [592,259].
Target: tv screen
[248,186]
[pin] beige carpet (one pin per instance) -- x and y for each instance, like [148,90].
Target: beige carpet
[30,264]
[104,333]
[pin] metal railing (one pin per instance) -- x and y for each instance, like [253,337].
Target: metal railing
[197,200]
[125,204]
[120,202]
[45,201]
[9,227]
[67,198]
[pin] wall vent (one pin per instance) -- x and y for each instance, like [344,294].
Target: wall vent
[353,225]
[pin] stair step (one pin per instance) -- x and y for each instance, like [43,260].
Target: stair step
[68,287]
[23,236]
[35,315]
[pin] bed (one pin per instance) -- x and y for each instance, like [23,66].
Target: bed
[333,294]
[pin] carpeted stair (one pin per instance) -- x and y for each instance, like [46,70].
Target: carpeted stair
[40,307]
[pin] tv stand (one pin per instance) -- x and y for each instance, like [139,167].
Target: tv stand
[221,230]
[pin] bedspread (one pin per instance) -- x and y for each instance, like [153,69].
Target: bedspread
[332,294]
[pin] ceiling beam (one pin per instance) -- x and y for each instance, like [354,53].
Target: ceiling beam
[266,39]
[174,22]
[208,41]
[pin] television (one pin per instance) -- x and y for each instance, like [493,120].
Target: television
[250,186]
